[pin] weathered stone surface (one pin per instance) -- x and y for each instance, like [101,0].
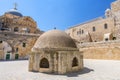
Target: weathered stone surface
[19,33]
[55,52]
[103,25]
[91,36]
[101,50]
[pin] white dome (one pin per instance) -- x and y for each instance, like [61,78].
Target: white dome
[14,12]
[107,10]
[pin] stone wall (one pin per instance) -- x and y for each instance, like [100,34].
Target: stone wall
[84,32]
[23,24]
[21,43]
[115,6]
[101,50]
[60,62]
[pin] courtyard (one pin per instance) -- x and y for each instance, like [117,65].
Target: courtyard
[93,70]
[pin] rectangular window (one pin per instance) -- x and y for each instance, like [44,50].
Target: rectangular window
[0,41]
[106,39]
[24,45]
[94,29]
[16,49]
[105,26]
[82,31]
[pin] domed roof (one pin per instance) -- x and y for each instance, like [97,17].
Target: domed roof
[107,10]
[14,12]
[54,39]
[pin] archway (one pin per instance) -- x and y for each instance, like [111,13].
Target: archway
[74,62]
[44,63]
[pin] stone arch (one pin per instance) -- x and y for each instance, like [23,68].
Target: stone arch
[74,62]
[44,63]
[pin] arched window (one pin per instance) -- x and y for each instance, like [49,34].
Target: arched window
[105,26]
[75,62]
[16,29]
[114,38]
[44,63]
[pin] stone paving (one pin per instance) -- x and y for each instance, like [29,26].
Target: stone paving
[93,70]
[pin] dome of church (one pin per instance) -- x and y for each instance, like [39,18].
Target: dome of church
[54,39]
[107,10]
[14,12]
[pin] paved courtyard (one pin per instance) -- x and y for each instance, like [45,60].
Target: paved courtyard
[93,70]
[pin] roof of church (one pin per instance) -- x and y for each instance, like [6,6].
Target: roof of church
[54,39]
[14,12]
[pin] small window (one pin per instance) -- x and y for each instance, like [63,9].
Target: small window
[5,34]
[1,41]
[105,26]
[106,39]
[2,24]
[16,29]
[16,49]
[114,38]
[79,32]
[82,31]
[94,29]
[24,45]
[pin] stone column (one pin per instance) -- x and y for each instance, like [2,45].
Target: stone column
[31,61]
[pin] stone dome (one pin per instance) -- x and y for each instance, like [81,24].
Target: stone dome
[54,39]
[14,12]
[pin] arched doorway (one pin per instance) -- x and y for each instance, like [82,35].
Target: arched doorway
[74,62]
[44,63]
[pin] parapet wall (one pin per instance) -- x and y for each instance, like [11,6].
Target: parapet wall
[101,50]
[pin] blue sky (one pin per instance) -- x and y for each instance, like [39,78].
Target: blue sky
[61,14]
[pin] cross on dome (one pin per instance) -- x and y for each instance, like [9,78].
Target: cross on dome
[15,6]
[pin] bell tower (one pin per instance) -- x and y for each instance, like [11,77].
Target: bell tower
[115,6]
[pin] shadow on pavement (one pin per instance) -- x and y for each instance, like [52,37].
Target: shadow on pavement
[75,74]
[85,70]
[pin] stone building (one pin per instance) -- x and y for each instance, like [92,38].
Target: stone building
[55,52]
[99,29]
[18,34]
[99,38]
